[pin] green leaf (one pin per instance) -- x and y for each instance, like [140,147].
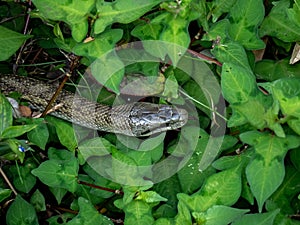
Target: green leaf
[163,188]
[198,93]
[257,219]
[246,191]
[38,201]
[190,176]
[233,53]
[102,44]
[228,162]
[147,151]
[295,158]
[241,114]
[39,135]
[92,194]
[189,10]
[6,119]
[199,9]
[184,215]
[18,130]
[266,172]
[264,179]
[17,24]
[271,118]
[151,31]
[58,154]
[109,71]
[217,30]
[129,195]
[295,125]
[294,13]
[120,12]
[228,187]
[64,10]
[287,92]
[79,30]
[139,84]
[219,215]
[165,210]
[21,213]
[286,194]
[271,70]
[278,24]
[171,87]
[212,149]
[268,145]
[176,37]
[61,173]
[65,132]
[238,84]
[164,221]
[125,169]
[89,215]
[4,194]
[95,147]
[223,188]
[148,31]
[23,180]
[139,213]
[171,29]
[257,111]
[221,6]
[284,219]
[58,193]
[60,219]
[150,197]
[16,153]
[10,42]
[73,13]
[245,16]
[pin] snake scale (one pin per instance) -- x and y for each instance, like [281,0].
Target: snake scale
[134,119]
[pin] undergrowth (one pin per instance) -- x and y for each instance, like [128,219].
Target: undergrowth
[233,64]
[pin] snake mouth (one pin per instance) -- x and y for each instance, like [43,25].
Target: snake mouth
[147,118]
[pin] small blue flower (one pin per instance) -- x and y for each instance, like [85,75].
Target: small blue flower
[21,148]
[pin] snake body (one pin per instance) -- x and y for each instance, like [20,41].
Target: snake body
[134,119]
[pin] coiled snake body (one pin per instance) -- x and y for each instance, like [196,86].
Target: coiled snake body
[135,119]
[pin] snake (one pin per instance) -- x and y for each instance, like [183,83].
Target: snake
[131,119]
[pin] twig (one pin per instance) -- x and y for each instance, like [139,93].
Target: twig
[118,192]
[204,57]
[54,108]
[58,90]
[8,182]
[27,18]
[58,209]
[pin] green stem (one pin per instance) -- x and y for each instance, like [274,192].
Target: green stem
[205,106]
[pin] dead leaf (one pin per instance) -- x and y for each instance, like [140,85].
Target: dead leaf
[296,54]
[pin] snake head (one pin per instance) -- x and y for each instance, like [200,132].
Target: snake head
[147,118]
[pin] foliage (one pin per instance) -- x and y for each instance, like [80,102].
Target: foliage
[242,169]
